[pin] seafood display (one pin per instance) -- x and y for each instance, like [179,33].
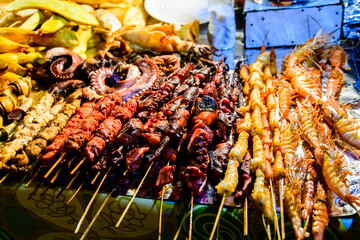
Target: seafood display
[144,108]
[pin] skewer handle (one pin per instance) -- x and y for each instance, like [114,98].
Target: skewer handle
[218,216]
[91,201]
[133,197]
[246,217]
[54,166]
[96,215]
[281,191]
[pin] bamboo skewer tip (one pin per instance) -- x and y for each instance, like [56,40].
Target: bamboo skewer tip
[95,178]
[3,179]
[32,178]
[77,166]
[161,210]
[246,217]
[76,192]
[54,165]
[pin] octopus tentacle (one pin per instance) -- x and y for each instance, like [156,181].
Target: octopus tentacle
[150,75]
[58,67]
[168,63]
[99,77]
[67,85]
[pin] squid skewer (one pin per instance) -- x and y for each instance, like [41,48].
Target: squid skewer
[173,132]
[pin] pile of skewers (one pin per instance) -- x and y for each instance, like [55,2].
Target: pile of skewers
[300,137]
[173,131]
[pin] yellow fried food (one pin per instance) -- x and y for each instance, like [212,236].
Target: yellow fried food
[13,61]
[135,15]
[189,31]
[7,19]
[18,35]
[69,10]
[229,183]
[8,77]
[6,45]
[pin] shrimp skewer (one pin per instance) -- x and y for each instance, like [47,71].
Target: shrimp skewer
[309,131]
[320,214]
[301,79]
[309,189]
[348,129]
[335,177]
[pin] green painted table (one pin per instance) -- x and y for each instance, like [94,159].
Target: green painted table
[45,217]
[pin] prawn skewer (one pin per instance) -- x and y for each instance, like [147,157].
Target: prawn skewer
[320,213]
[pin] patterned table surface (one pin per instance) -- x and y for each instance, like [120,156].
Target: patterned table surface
[42,216]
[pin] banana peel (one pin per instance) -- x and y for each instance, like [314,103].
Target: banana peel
[68,10]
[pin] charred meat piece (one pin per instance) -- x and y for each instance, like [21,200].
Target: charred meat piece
[194,178]
[245,182]
[134,158]
[130,133]
[166,175]
[218,162]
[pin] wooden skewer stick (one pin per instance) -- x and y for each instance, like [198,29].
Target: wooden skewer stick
[277,229]
[54,166]
[94,180]
[161,207]
[281,195]
[161,210]
[182,223]
[55,176]
[218,216]
[91,201]
[51,182]
[77,166]
[35,190]
[191,214]
[217,231]
[72,197]
[246,217]
[72,181]
[266,226]
[32,179]
[4,178]
[96,215]
[133,197]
